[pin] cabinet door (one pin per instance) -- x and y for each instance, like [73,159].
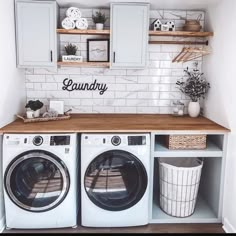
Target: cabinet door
[129,35]
[36,33]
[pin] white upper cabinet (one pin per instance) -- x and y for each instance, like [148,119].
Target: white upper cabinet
[36,23]
[129,35]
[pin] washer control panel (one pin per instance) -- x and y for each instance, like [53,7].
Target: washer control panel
[115,140]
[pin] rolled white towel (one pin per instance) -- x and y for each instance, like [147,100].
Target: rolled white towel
[73,13]
[67,23]
[82,24]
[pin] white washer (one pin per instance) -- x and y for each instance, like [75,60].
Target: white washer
[40,180]
[115,179]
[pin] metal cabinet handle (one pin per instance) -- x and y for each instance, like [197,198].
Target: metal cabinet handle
[51,56]
[114,57]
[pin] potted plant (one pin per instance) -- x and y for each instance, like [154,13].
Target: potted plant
[71,56]
[34,107]
[99,19]
[195,87]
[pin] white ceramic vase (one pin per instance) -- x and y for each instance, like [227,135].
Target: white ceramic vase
[99,26]
[194,109]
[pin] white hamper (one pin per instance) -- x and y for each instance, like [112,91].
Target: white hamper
[179,182]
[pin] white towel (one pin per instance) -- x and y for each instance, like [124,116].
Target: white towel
[67,23]
[82,24]
[73,13]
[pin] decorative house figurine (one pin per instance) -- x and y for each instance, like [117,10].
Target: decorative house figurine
[165,27]
[156,25]
[171,25]
[168,26]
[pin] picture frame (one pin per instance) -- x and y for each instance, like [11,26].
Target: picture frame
[98,50]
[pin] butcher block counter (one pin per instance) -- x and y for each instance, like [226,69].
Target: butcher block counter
[117,123]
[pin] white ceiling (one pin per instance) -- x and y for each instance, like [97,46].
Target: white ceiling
[155,4]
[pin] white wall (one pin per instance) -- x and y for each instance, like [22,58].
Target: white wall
[12,88]
[220,105]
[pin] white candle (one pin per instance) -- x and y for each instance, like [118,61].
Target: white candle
[180,112]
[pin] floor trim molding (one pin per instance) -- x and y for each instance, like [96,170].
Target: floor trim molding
[228,227]
[2,224]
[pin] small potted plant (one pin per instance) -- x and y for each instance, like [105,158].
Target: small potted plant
[195,87]
[99,19]
[34,107]
[71,56]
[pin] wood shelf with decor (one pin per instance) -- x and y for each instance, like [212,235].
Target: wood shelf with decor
[180,33]
[88,31]
[85,64]
[183,34]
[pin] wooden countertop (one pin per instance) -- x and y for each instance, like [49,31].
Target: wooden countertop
[117,123]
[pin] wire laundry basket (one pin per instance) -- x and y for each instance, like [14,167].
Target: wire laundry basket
[179,183]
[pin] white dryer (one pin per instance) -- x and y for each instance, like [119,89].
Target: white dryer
[115,179]
[40,180]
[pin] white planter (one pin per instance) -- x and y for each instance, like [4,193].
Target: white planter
[194,109]
[37,113]
[72,58]
[99,26]
[30,114]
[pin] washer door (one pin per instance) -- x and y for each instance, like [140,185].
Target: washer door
[37,181]
[115,180]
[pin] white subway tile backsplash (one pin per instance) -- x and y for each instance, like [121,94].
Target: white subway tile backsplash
[34,78]
[104,109]
[137,87]
[126,110]
[35,94]
[137,72]
[173,14]
[148,95]
[155,56]
[49,86]
[148,110]
[149,79]
[150,90]
[126,95]
[57,94]
[159,72]
[126,79]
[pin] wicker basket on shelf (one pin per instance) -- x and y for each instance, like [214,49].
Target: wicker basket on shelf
[184,142]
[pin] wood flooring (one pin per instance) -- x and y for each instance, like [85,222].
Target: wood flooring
[151,228]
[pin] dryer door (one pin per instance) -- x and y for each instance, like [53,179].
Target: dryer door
[37,181]
[115,180]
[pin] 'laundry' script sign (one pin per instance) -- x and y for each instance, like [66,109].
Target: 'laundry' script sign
[70,85]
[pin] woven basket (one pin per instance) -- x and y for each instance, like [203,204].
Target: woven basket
[183,142]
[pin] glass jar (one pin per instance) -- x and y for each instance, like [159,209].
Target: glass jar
[178,108]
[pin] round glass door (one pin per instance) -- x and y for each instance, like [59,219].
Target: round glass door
[115,180]
[37,181]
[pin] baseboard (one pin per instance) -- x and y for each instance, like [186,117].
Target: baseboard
[228,228]
[2,224]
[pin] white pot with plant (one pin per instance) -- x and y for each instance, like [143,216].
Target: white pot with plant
[195,87]
[99,20]
[33,109]
[71,56]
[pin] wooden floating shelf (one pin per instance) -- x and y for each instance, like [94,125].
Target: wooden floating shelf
[151,33]
[89,31]
[85,64]
[180,33]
